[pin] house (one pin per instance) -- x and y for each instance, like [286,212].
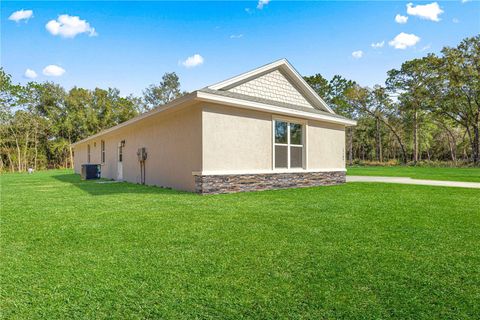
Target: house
[264,129]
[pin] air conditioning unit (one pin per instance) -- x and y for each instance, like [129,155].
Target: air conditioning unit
[90,171]
[142,154]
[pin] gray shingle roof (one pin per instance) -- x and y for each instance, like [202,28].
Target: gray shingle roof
[270,102]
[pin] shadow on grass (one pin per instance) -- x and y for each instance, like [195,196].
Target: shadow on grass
[108,187]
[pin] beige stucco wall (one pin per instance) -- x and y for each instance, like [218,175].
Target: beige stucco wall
[236,139]
[239,140]
[207,138]
[326,146]
[79,156]
[173,142]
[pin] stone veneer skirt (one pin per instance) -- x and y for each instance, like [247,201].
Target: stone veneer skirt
[213,184]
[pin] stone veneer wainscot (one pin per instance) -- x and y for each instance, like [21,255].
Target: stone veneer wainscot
[214,184]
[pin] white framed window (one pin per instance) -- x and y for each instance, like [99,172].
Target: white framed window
[88,153]
[289,144]
[102,151]
[121,145]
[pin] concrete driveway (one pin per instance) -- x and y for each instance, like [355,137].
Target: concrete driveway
[403,180]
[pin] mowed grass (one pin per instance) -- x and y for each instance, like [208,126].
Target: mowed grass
[74,249]
[429,173]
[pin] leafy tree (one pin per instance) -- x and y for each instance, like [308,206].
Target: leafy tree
[376,104]
[429,109]
[456,88]
[333,93]
[320,85]
[159,94]
[410,84]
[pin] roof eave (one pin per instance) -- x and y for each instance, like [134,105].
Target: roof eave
[209,97]
[160,109]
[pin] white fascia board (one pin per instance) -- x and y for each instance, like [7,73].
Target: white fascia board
[302,83]
[142,116]
[208,97]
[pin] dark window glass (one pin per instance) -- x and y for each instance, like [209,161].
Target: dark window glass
[295,133]
[296,156]
[88,153]
[281,156]
[103,151]
[280,132]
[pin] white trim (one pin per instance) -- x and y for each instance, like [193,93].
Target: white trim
[209,97]
[120,151]
[306,144]
[289,119]
[285,66]
[289,144]
[229,172]
[103,154]
[273,144]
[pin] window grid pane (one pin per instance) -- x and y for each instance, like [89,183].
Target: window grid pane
[281,132]
[288,144]
[296,157]
[296,134]
[281,156]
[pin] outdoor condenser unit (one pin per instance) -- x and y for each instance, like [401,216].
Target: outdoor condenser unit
[142,154]
[90,171]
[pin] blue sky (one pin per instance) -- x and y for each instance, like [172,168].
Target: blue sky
[130,45]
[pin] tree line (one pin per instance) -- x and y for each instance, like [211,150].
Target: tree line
[427,110]
[40,121]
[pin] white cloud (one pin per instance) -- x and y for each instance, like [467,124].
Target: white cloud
[69,26]
[236,36]
[357,54]
[401,19]
[429,11]
[404,40]
[465,1]
[53,71]
[455,20]
[30,74]
[193,61]
[21,15]
[377,45]
[262,3]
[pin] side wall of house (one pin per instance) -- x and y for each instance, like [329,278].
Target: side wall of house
[326,146]
[236,139]
[239,140]
[79,156]
[173,143]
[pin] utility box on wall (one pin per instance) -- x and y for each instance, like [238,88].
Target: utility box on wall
[142,154]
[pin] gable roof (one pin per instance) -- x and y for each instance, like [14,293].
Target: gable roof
[220,93]
[287,70]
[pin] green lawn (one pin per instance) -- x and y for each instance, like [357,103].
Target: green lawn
[450,174]
[72,249]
